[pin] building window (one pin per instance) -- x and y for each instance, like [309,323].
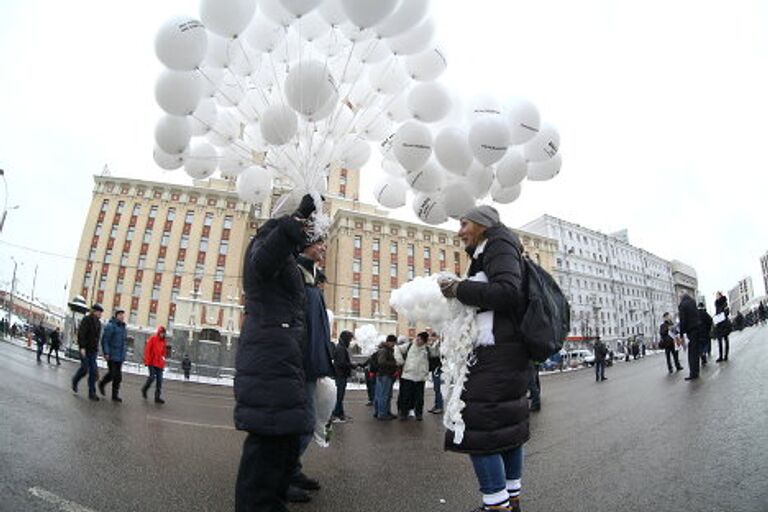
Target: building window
[171,216]
[199,270]
[179,266]
[165,239]
[87,280]
[119,287]
[223,247]
[189,217]
[97,231]
[108,257]
[208,219]
[376,245]
[441,255]
[104,205]
[375,268]
[203,244]
[123,260]
[132,318]
[153,212]
[393,270]
[411,273]
[136,210]
[92,254]
[427,253]
[410,250]
[355,292]
[356,266]
[375,294]
[393,248]
[142,261]
[358,243]
[184,242]
[129,234]
[147,236]
[155,291]
[136,289]
[219,276]
[160,266]
[228,222]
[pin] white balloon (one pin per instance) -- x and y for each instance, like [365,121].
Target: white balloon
[357,155]
[211,78]
[371,51]
[178,92]
[388,77]
[252,137]
[429,102]
[505,195]
[218,55]
[512,169]
[484,105]
[226,129]
[311,27]
[458,199]
[356,34]
[275,11]
[233,161]
[544,145]
[452,150]
[341,122]
[429,178]
[300,7]
[412,145]
[263,34]
[253,104]
[373,124]
[426,66]
[479,179]
[181,43]
[489,139]
[429,208]
[254,184]
[172,134]
[326,110]
[332,12]
[367,13]
[393,168]
[390,192]
[398,110]
[204,117]
[545,170]
[361,96]
[202,161]
[524,120]
[244,60]
[332,45]
[231,90]
[227,18]
[309,86]
[408,15]
[415,40]
[278,124]
[166,161]
[347,71]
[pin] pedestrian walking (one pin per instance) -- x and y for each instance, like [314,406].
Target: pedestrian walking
[436,371]
[534,388]
[54,345]
[496,410]
[601,352]
[186,366]
[762,313]
[690,326]
[343,366]
[271,402]
[667,342]
[113,345]
[722,326]
[88,334]
[154,359]
[386,368]
[40,339]
[413,357]
[705,332]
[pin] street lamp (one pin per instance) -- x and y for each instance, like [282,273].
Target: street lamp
[4,213]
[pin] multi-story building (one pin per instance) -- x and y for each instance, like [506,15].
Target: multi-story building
[740,295]
[684,279]
[616,290]
[764,268]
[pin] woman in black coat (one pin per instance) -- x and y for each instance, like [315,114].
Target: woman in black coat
[270,397]
[723,327]
[496,410]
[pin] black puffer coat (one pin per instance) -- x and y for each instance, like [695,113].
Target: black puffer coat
[690,320]
[269,379]
[724,328]
[496,412]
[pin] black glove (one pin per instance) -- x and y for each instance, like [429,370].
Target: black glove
[306,208]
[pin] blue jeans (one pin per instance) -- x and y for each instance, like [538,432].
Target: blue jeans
[493,471]
[599,369]
[341,389]
[436,382]
[383,398]
[87,366]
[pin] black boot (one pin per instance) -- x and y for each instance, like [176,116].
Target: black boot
[296,495]
[144,389]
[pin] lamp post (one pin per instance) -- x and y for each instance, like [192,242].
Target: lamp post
[5,210]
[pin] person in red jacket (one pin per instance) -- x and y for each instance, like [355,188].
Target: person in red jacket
[154,358]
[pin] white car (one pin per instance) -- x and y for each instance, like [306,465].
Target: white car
[580,356]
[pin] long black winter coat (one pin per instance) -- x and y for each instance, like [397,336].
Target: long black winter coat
[270,398]
[723,328]
[496,412]
[690,321]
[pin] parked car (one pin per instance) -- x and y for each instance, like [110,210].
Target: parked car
[580,356]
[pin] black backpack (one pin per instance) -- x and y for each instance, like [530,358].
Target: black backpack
[547,318]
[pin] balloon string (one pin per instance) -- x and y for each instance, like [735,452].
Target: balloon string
[216,88]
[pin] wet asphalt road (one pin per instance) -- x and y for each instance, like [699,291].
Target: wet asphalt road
[641,441]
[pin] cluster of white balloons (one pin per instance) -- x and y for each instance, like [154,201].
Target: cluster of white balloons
[290,89]
[367,338]
[420,300]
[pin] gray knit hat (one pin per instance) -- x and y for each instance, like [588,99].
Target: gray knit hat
[483,215]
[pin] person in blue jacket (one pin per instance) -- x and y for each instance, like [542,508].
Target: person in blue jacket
[113,343]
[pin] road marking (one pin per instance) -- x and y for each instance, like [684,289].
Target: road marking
[54,499]
[190,423]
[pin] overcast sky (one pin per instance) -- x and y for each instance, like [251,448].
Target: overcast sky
[661,107]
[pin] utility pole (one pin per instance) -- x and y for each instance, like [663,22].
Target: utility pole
[13,290]
[34,283]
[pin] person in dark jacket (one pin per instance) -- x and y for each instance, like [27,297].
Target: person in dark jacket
[601,352]
[186,366]
[496,411]
[88,334]
[113,348]
[371,367]
[317,356]
[690,326]
[54,345]
[343,366]
[705,331]
[40,339]
[386,368]
[722,326]
[668,342]
[271,402]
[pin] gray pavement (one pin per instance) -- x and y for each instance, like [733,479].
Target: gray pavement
[643,440]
